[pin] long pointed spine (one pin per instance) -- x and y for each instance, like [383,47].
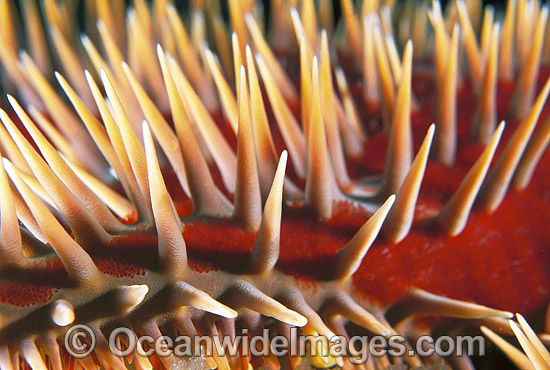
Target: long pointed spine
[524,92]
[133,147]
[370,73]
[305,83]
[292,135]
[472,48]
[445,141]
[266,250]
[217,145]
[265,147]
[454,215]
[282,80]
[229,103]
[498,180]
[506,47]
[399,154]
[319,191]
[400,218]
[248,200]
[532,155]
[162,130]
[421,302]
[206,197]
[119,153]
[349,258]
[172,249]
[486,117]
[330,118]
[190,59]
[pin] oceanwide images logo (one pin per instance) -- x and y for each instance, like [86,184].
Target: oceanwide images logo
[80,341]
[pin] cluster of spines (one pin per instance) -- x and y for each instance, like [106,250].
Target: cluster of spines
[68,175]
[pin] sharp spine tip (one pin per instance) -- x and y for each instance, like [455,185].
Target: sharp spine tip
[349,258]
[401,216]
[266,250]
[454,215]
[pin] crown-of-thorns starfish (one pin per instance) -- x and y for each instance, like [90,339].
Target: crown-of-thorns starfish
[181,172]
